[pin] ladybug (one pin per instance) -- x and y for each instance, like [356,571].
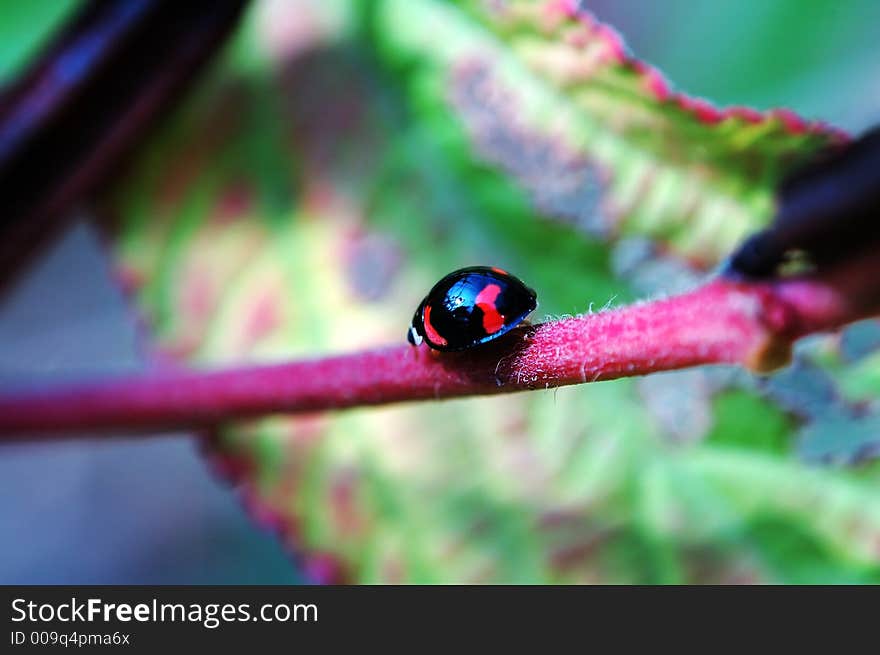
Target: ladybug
[469,307]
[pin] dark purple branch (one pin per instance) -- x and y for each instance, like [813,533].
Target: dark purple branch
[101,83]
[827,211]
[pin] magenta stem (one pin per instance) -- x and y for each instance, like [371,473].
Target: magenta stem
[722,322]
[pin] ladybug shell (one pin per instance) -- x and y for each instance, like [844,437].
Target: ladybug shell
[471,306]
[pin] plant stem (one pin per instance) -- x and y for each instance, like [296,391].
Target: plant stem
[723,322]
[93,94]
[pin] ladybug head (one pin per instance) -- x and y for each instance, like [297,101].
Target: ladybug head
[413,336]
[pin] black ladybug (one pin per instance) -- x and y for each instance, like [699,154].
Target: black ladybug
[469,307]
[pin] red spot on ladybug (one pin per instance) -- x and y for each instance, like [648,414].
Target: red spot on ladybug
[471,306]
[430,333]
[493,320]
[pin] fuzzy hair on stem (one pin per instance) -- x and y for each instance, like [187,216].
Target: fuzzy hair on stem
[725,321]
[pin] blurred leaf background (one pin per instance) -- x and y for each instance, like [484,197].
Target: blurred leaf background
[344,155]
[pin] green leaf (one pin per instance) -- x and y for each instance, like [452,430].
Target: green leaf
[304,201]
[544,91]
[744,421]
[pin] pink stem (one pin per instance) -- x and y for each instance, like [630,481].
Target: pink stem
[723,321]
